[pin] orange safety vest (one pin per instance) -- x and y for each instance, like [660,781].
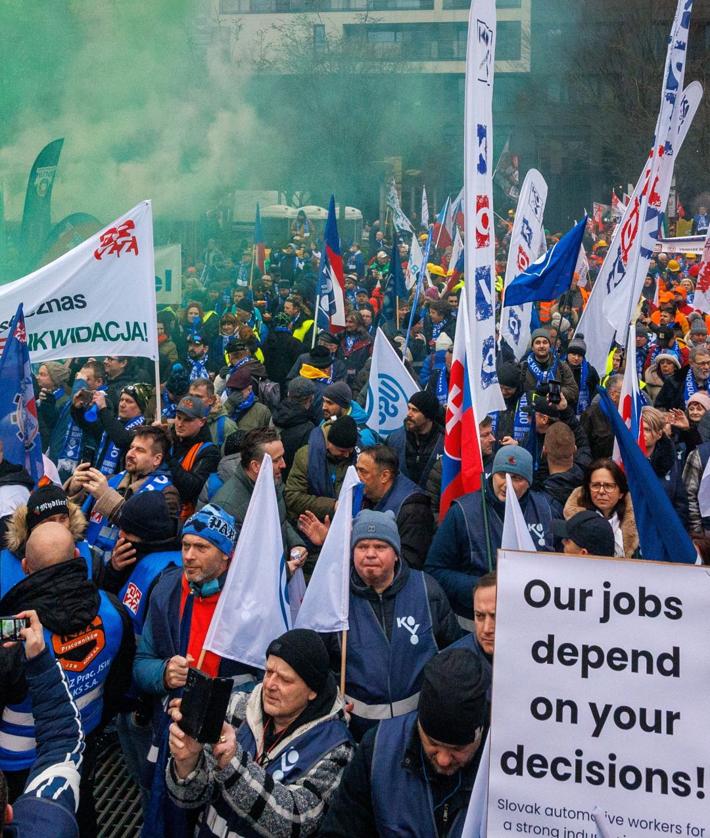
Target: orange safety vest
[187,462]
[545,311]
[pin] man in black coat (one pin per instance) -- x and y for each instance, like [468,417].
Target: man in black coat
[688,380]
[292,418]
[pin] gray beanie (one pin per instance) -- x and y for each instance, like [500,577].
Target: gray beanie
[577,346]
[514,459]
[380,526]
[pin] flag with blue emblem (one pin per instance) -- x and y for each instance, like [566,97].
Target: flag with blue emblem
[253,607]
[330,314]
[19,425]
[551,275]
[389,389]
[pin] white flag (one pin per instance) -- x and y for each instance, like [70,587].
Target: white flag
[425,208]
[479,244]
[477,814]
[326,604]
[701,300]
[516,535]
[253,608]
[389,389]
[414,265]
[704,492]
[97,299]
[615,290]
[527,242]
[399,219]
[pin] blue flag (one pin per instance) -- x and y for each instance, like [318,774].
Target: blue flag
[661,533]
[550,275]
[19,425]
[396,286]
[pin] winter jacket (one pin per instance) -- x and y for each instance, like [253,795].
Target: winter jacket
[250,798]
[355,357]
[300,494]
[339,370]
[220,426]
[49,808]
[629,533]
[415,522]
[53,413]
[654,382]
[582,456]
[458,554]
[672,394]
[564,375]
[666,466]
[190,483]
[257,416]
[354,811]
[560,486]
[281,350]
[227,468]
[294,424]
[108,423]
[417,454]
[692,476]
[235,495]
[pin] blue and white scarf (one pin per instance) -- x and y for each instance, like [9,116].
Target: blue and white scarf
[109,452]
[521,422]
[199,367]
[692,386]
[350,341]
[583,400]
[542,376]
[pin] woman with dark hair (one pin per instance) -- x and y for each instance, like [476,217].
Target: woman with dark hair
[356,345]
[606,491]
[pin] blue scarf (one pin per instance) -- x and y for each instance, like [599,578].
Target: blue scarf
[521,422]
[640,362]
[691,386]
[436,330]
[109,452]
[542,376]
[69,454]
[244,405]
[199,367]
[350,341]
[583,400]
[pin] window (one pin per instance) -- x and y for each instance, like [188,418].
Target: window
[318,37]
[508,4]
[508,40]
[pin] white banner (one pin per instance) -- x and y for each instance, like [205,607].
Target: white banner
[168,274]
[598,322]
[97,299]
[701,300]
[527,242]
[598,670]
[479,242]
[389,388]
[399,219]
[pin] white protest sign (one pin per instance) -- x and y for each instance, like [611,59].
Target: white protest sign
[97,299]
[600,676]
[168,275]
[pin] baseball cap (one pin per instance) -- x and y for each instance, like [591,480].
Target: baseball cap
[588,529]
[191,406]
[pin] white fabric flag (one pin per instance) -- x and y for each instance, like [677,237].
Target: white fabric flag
[389,389]
[704,492]
[475,825]
[414,265]
[701,300]
[97,299]
[479,244]
[253,608]
[326,605]
[527,242]
[516,535]
[399,219]
[425,208]
[597,322]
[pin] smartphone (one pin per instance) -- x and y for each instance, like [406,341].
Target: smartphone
[554,395]
[204,705]
[10,627]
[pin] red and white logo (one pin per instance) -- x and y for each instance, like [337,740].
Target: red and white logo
[132,597]
[523,259]
[117,240]
[483,221]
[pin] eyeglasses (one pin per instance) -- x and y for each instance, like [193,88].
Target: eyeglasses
[603,487]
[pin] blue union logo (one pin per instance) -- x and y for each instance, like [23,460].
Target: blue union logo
[392,403]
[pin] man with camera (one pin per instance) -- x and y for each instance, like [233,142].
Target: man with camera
[542,365]
[50,798]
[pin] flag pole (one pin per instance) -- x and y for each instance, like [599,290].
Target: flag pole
[343,657]
[201,659]
[396,302]
[251,269]
[158,406]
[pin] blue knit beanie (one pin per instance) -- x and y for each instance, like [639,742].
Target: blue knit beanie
[214,525]
[380,526]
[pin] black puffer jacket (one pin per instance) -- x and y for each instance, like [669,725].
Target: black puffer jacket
[295,425]
[666,465]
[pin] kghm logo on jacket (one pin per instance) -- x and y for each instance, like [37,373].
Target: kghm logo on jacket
[76,651]
[132,597]
[412,626]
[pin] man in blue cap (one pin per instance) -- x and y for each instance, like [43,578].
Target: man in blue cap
[464,547]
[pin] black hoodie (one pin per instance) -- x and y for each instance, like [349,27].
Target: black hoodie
[66,602]
[295,425]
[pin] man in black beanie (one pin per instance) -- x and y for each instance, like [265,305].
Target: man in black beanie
[419,768]
[276,773]
[419,443]
[512,424]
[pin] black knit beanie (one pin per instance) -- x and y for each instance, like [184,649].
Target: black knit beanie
[304,651]
[43,503]
[147,516]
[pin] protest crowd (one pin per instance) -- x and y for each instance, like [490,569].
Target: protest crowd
[123,555]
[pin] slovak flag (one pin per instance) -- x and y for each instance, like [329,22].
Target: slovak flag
[331,281]
[259,245]
[462,464]
[19,423]
[444,226]
[630,400]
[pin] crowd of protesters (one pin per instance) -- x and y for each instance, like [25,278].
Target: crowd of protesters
[122,551]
